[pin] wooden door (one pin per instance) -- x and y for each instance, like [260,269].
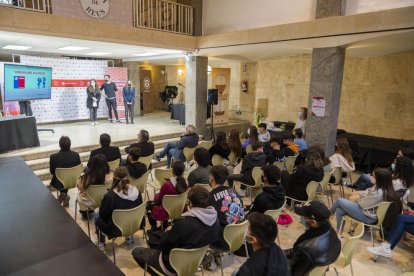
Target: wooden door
[146,89]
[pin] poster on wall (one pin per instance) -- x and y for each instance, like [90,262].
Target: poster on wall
[221,81]
[318,106]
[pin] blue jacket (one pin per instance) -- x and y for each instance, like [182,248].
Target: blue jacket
[189,141]
[129,94]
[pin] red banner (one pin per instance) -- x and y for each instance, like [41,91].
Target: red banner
[73,83]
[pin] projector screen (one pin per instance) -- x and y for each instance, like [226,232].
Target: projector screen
[22,83]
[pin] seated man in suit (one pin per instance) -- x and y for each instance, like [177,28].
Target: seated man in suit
[65,158]
[189,139]
[111,153]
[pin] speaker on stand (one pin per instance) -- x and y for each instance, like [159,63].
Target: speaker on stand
[212,100]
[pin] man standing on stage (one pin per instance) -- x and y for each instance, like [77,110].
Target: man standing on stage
[110,97]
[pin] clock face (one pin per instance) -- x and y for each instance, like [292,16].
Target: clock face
[95,8]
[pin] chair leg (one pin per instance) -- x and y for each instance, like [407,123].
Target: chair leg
[76,209]
[89,229]
[146,267]
[113,250]
[202,271]
[352,269]
[278,240]
[372,236]
[245,247]
[382,233]
[221,263]
[336,271]
[341,228]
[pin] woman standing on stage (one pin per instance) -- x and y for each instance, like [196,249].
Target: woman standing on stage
[94,95]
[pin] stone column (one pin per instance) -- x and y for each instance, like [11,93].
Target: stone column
[133,75]
[196,93]
[326,81]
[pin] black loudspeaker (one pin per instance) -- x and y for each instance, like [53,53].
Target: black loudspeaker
[213,96]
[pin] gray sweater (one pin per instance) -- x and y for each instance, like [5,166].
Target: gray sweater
[369,201]
[199,175]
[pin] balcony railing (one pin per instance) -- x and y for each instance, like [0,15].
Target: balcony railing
[32,5]
[163,15]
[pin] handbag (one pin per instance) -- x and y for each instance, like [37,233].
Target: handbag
[284,219]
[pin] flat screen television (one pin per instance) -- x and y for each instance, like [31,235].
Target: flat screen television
[23,83]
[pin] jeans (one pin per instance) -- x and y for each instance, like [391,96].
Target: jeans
[92,113]
[169,150]
[129,112]
[343,207]
[363,182]
[112,103]
[143,255]
[403,223]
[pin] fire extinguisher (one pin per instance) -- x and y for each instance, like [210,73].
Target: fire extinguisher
[244,86]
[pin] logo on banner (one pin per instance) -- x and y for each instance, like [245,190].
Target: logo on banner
[19,82]
[147,84]
[95,8]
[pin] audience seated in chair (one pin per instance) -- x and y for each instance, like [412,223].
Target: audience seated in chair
[290,145]
[319,245]
[174,186]
[235,143]
[302,116]
[221,147]
[273,195]
[111,153]
[201,174]
[342,158]
[121,196]
[327,164]
[198,227]
[147,148]
[362,206]
[252,137]
[254,159]
[65,158]
[136,169]
[189,139]
[296,183]
[97,174]
[267,257]
[299,139]
[264,135]
[275,153]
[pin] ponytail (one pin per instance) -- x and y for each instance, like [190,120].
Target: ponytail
[181,186]
[121,180]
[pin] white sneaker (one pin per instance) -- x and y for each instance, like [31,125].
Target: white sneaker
[92,123]
[382,250]
[96,123]
[129,240]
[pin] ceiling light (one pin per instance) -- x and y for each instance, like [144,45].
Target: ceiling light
[147,54]
[166,51]
[73,48]
[16,47]
[97,54]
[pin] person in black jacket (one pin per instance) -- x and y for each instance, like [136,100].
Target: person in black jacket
[136,169]
[121,196]
[201,174]
[267,258]
[221,147]
[111,153]
[197,228]
[92,101]
[65,158]
[296,183]
[275,152]
[254,159]
[147,148]
[319,245]
[273,195]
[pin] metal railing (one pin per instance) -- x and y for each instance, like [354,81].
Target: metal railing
[163,15]
[32,5]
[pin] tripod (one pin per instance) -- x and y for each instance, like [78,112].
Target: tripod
[212,135]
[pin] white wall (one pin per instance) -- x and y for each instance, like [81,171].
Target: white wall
[222,16]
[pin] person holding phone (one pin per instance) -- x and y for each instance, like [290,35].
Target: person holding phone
[110,97]
[92,102]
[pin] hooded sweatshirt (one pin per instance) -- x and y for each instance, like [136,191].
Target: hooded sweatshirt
[296,183]
[197,228]
[272,198]
[251,160]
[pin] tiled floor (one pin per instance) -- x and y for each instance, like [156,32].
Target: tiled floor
[363,263]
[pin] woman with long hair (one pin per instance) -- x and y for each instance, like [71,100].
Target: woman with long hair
[302,116]
[343,156]
[252,137]
[403,177]
[123,196]
[364,209]
[234,143]
[221,147]
[97,174]
[92,102]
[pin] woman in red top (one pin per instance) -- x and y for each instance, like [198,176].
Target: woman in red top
[174,186]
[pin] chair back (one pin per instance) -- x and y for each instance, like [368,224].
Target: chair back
[234,235]
[160,175]
[279,164]
[189,153]
[206,144]
[217,160]
[337,174]
[114,164]
[349,245]
[146,160]
[318,271]
[205,186]
[290,163]
[249,149]
[410,197]
[325,180]
[129,220]
[381,211]
[275,213]
[311,190]
[174,204]
[257,176]
[187,261]
[69,176]
[140,183]
[232,158]
[96,193]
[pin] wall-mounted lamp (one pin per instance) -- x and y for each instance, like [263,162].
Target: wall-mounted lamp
[180,72]
[162,72]
[209,69]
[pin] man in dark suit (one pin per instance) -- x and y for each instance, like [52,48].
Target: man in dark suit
[147,148]
[65,158]
[111,153]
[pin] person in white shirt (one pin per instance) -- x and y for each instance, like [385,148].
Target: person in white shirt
[303,115]
[403,174]
[343,156]
[264,135]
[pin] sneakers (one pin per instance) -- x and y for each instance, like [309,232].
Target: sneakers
[96,123]
[209,262]
[118,121]
[157,157]
[66,201]
[382,250]
[129,240]
[64,198]
[101,246]
[92,123]
[110,121]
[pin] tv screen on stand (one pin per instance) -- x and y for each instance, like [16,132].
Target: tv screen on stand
[24,83]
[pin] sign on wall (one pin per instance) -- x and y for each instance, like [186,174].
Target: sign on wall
[95,8]
[318,106]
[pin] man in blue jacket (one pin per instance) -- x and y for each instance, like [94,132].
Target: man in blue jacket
[129,99]
[189,139]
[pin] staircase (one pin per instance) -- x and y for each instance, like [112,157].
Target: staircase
[39,162]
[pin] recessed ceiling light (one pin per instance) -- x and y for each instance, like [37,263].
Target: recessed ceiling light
[97,54]
[16,47]
[167,51]
[73,48]
[147,54]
